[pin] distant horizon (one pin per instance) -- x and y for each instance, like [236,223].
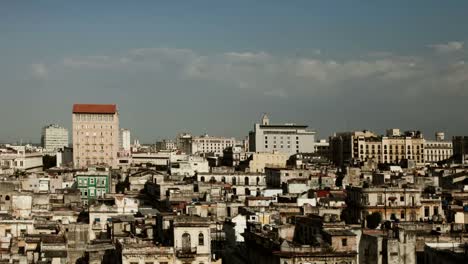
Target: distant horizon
[428,136]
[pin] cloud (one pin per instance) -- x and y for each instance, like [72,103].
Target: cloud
[281,93]
[283,76]
[448,47]
[93,62]
[248,56]
[39,70]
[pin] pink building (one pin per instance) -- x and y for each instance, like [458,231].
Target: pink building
[95,135]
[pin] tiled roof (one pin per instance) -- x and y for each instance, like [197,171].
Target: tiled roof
[95,108]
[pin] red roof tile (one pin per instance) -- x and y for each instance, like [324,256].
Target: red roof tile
[95,108]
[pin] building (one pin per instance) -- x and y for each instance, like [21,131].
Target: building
[285,138]
[184,143]
[258,161]
[404,204]
[146,252]
[460,149]
[166,145]
[64,157]
[192,239]
[54,137]
[240,183]
[189,166]
[322,148]
[93,184]
[234,156]
[445,253]
[124,139]
[360,146]
[438,149]
[95,135]
[208,144]
[15,158]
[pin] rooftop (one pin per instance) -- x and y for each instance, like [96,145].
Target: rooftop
[95,108]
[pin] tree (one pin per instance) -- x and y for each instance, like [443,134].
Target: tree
[373,220]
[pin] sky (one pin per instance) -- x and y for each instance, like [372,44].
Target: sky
[216,66]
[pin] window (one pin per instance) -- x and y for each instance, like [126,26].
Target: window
[186,244]
[201,239]
[402,215]
[402,198]
[344,242]
[426,211]
[91,181]
[436,210]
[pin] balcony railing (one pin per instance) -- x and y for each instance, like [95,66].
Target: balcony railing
[185,253]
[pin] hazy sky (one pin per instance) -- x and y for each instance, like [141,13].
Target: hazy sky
[216,66]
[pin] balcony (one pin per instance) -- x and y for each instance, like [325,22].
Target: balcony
[186,253]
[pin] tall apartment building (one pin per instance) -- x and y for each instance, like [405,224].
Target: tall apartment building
[438,149]
[95,135]
[364,145]
[208,144]
[284,138]
[124,139]
[54,137]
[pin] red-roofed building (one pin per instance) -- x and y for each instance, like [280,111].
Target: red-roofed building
[94,108]
[95,135]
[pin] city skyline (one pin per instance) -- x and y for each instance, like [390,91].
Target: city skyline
[175,67]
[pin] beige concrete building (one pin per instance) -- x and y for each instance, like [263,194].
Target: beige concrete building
[95,135]
[192,239]
[404,204]
[260,160]
[366,145]
[438,149]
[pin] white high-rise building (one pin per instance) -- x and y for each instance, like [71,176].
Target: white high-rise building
[95,135]
[124,139]
[284,138]
[54,137]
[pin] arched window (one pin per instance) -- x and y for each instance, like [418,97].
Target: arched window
[247,191]
[233,180]
[258,180]
[186,242]
[202,178]
[223,179]
[246,180]
[7,198]
[201,239]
